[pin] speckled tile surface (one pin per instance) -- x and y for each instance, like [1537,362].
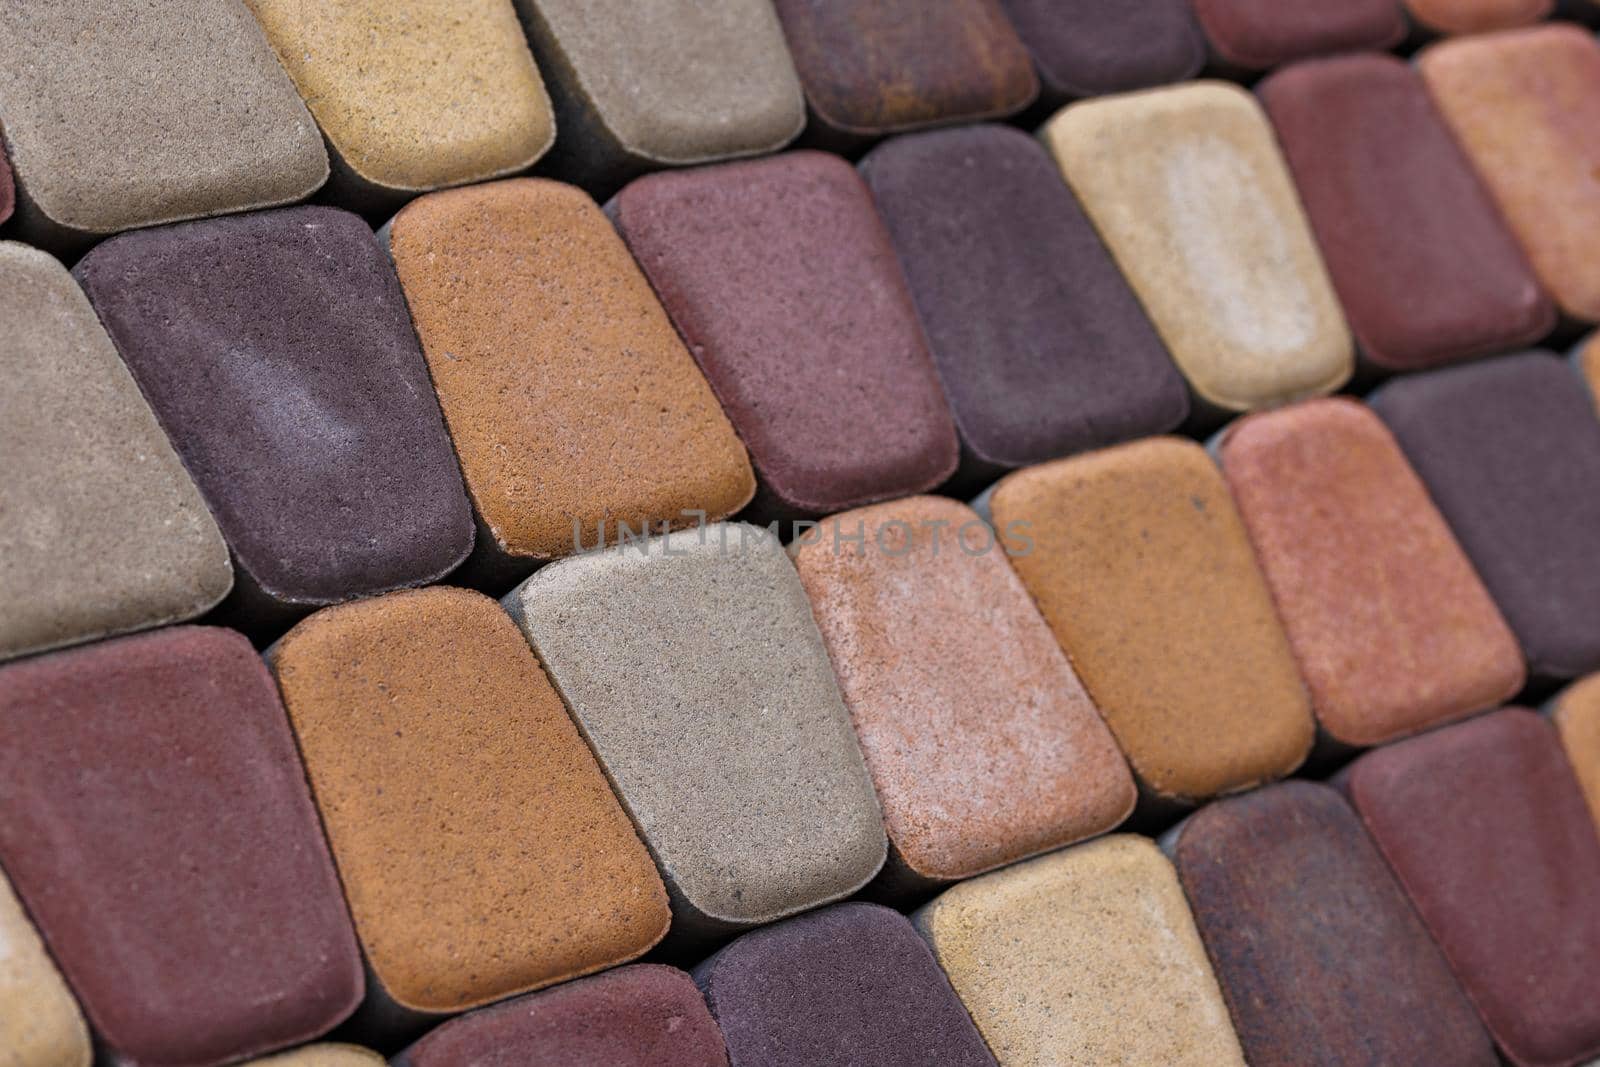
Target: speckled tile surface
[1188,189]
[1042,348]
[155,820]
[523,871]
[409,100]
[1258,34]
[1510,452]
[1089,47]
[981,741]
[40,1025]
[1082,958]
[694,669]
[1487,830]
[1426,268]
[105,532]
[571,400]
[128,114]
[1525,104]
[1143,569]
[1392,627]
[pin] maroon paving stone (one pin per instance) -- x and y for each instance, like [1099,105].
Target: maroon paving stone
[872,67]
[1321,957]
[1424,264]
[785,286]
[277,351]
[846,985]
[1089,47]
[645,1015]
[156,822]
[1509,449]
[1260,34]
[1042,347]
[1486,827]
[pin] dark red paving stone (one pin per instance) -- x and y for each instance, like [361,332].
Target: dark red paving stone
[156,822]
[1321,958]
[1260,34]
[1089,47]
[1042,347]
[277,352]
[873,67]
[1510,452]
[1425,266]
[645,1015]
[1486,828]
[851,984]
[784,284]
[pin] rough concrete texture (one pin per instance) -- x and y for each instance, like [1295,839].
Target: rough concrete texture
[104,530]
[1510,452]
[1082,958]
[1188,189]
[126,113]
[1320,956]
[643,84]
[846,985]
[573,403]
[693,667]
[1425,266]
[1392,627]
[276,350]
[1576,712]
[155,820]
[1477,16]
[40,1025]
[893,65]
[748,259]
[525,870]
[980,739]
[412,99]
[1042,347]
[8,189]
[322,1056]
[1142,567]
[645,1015]
[1089,47]
[1526,106]
[1487,830]
[1258,34]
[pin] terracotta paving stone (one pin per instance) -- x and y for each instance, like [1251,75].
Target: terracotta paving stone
[1393,629]
[846,985]
[1525,105]
[1089,47]
[276,351]
[1143,569]
[1258,34]
[748,259]
[644,1015]
[693,667]
[1576,711]
[127,114]
[1487,830]
[1510,452]
[1477,16]
[1188,189]
[481,850]
[870,69]
[1587,359]
[104,532]
[155,820]
[40,1025]
[410,101]
[1042,348]
[980,739]
[1425,266]
[1319,954]
[643,84]
[1086,956]
[573,404]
